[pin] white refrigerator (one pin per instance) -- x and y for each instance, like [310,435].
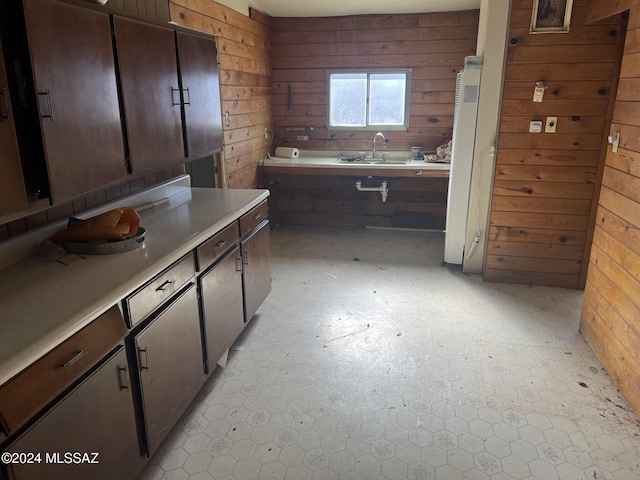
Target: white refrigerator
[462,146]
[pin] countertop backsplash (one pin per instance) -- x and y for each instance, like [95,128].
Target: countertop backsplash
[28,244]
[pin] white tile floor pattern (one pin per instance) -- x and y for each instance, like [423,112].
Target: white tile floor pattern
[369,360]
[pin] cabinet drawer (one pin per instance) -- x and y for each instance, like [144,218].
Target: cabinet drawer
[28,392]
[252,218]
[97,416]
[213,248]
[160,289]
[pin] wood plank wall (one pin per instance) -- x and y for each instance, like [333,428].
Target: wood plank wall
[545,184]
[245,81]
[304,199]
[433,45]
[611,311]
[601,9]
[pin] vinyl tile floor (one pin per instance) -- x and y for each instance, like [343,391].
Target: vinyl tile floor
[370,360]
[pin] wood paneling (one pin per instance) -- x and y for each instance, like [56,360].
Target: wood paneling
[433,45]
[601,9]
[333,200]
[244,59]
[610,319]
[546,185]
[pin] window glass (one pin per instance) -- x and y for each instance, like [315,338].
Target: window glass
[348,99]
[368,100]
[387,99]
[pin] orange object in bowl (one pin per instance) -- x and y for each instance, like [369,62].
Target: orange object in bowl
[116,224]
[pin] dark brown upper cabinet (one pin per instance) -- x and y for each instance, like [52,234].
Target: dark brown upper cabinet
[13,195]
[76,96]
[150,93]
[86,99]
[200,87]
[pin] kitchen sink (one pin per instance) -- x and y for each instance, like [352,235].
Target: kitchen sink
[388,161]
[367,160]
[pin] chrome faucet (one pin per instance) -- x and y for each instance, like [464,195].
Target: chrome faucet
[384,143]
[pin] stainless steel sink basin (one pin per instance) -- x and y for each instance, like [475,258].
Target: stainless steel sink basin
[388,161]
[350,159]
[367,160]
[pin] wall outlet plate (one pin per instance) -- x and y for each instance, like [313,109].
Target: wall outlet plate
[550,126]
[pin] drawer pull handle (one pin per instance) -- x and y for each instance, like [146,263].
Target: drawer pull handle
[221,243]
[175,97]
[49,110]
[124,381]
[146,359]
[239,264]
[162,288]
[257,216]
[75,359]
[245,254]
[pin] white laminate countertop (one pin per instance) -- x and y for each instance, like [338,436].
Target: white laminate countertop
[43,302]
[322,159]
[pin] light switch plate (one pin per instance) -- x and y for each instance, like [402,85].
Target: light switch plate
[538,92]
[614,140]
[535,126]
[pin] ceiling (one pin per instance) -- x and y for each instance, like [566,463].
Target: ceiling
[336,8]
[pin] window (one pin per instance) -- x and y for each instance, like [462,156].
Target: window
[368,100]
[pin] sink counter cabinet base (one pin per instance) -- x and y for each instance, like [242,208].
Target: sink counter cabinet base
[307,198]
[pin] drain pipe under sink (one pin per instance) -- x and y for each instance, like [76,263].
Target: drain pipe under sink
[383,189]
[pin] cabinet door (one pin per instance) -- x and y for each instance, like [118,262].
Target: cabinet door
[256,255]
[13,196]
[201,93]
[169,352]
[75,81]
[151,97]
[97,417]
[223,319]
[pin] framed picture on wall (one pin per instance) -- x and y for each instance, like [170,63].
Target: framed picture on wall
[551,16]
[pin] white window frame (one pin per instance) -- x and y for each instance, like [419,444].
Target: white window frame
[369,72]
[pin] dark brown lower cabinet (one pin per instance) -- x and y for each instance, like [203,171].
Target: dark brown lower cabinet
[117,418]
[169,353]
[256,256]
[221,293]
[91,433]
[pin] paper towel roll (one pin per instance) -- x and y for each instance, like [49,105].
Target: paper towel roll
[287,152]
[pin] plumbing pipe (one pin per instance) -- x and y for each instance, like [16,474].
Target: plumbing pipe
[383,189]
